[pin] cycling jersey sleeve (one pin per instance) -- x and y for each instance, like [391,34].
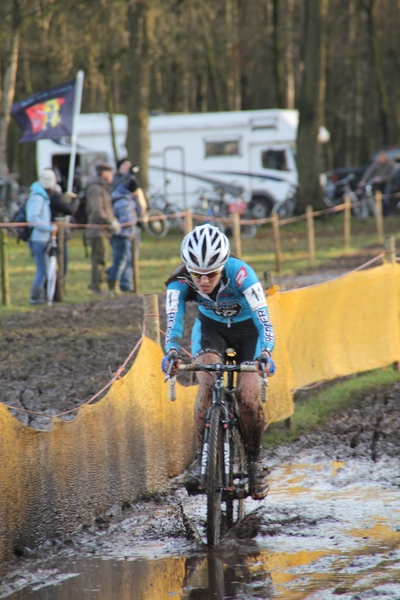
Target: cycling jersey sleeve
[175,306]
[255,297]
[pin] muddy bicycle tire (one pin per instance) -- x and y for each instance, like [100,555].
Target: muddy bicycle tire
[215,469]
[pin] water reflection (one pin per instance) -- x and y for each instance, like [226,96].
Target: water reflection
[222,579]
[200,577]
[321,529]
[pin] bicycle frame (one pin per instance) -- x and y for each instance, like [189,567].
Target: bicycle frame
[219,392]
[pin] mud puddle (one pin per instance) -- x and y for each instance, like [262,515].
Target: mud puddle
[328,530]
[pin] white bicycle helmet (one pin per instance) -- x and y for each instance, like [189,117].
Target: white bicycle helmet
[205,248]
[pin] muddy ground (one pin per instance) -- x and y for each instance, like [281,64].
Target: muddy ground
[56,358]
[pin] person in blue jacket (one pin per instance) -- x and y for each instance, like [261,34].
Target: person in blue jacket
[120,274]
[232,313]
[39,217]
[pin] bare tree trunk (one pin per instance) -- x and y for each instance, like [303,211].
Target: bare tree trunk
[204,89]
[232,59]
[290,80]
[212,67]
[371,9]
[141,20]
[277,54]
[307,135]
[8,93]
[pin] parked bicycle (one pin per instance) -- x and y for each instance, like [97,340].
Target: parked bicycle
[366,197]
[224,476]
[362,200]
[158,223]
[334,193]
[213,204]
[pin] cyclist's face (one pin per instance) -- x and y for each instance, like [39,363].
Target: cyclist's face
[206,283]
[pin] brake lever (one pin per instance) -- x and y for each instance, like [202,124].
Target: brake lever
[172,363]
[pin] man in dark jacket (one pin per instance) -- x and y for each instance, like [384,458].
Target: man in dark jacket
[99,212]
[62,205]
[380,174]
[123,174]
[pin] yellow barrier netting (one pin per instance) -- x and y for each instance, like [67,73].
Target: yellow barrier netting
[344,326]
[135,438]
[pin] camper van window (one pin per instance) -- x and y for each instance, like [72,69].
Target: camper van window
[222,148]
[274,159]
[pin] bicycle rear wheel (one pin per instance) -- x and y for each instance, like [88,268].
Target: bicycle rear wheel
[238,470]
[157,227]
[247,232]
[215,470]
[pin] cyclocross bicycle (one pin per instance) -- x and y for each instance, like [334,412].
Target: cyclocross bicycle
[224,475]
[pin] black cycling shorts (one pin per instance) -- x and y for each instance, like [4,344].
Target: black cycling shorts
[213,336]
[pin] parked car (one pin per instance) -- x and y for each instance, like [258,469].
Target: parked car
[336,176]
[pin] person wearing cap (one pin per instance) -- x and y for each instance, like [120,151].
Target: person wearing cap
[100,212]
[120,274]
[39,216]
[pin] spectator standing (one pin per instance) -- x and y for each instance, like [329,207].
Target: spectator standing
[123,174]
[99,212]
[120,274]
[39,216]
[62,205]
[380,174]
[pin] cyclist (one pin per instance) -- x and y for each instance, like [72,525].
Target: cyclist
[232,313]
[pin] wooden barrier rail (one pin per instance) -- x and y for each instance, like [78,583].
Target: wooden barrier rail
[234,222]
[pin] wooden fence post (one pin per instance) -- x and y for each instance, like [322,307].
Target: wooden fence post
[347,220]
[277,242]
[390,248]
[151,317]
[236,234]
[135,261]
[379,217]
[59,293]
[188,221]
[390,256]
[5,281]
[310,233]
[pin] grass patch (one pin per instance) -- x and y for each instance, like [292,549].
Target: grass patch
[158,257]
[315,407]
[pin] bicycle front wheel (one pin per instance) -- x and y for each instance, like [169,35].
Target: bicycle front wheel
[215,470]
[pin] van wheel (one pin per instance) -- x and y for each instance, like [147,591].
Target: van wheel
[260,208]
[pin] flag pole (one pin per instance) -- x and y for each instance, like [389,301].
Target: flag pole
[74,135]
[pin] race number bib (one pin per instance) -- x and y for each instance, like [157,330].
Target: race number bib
[255,296]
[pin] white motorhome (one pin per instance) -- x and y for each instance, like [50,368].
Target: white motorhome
[94,145]
[247,154]
[250,154]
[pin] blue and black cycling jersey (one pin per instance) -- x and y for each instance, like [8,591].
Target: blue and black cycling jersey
[239,297]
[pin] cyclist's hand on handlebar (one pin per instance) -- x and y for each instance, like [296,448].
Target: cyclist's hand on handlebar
[264,363]
[170,363]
